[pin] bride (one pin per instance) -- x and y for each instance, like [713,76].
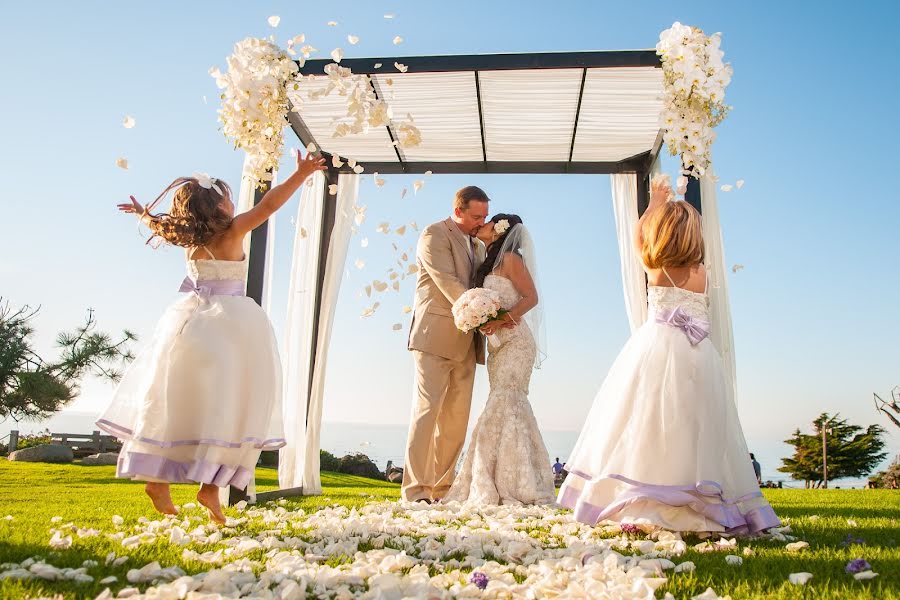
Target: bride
[507,462]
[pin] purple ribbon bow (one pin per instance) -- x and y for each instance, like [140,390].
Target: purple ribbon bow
[213,287]
[696,329]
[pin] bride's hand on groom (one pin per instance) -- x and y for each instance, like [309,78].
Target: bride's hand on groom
[504,322]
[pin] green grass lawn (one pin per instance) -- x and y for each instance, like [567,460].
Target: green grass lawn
[33,494]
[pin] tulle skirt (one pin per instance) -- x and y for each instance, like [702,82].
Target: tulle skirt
[663,444]
[204,399]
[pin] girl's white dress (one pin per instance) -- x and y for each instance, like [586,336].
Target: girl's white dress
[662,442]
[205,398]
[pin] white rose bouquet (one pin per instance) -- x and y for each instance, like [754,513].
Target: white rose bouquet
[475,308]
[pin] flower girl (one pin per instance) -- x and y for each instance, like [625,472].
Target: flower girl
[202,402]
[662,444]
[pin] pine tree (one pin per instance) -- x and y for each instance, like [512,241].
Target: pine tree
[852,451]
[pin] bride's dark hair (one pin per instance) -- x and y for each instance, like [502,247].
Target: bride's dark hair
[494,249]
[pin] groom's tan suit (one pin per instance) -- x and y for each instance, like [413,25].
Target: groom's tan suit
[445,360]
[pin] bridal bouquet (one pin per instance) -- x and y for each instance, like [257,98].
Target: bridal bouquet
[475,308]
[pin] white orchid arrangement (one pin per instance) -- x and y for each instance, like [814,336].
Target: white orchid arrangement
[501,226]
[263,84]
[255,103]
[694,101]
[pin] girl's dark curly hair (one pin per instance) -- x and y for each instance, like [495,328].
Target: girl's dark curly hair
[494,249]
[195,217]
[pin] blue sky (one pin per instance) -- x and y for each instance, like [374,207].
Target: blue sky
[813,132]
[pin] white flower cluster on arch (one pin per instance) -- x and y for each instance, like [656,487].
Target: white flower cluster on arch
[695,78]
[263,84]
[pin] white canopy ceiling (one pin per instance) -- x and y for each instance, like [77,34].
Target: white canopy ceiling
[591,111]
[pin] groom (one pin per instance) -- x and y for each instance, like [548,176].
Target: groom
[448,255]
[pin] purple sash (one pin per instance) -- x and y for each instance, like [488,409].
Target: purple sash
[695,329]
[204,288]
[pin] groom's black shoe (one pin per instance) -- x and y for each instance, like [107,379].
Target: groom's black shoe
[425,500]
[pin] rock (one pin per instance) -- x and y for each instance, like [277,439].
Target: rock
[48,453]
[359,464]
[106,458]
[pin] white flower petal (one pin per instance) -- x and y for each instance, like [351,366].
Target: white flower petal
[337,55]
[389,15]
[353,39]
[129,122]
[122,163]
[799,578]
[332,189]
[360,263]
[864,575]
[739,183]
[398,40]
[332,23]
[274,20]
[401,67]
[397,326]
[727,187]
[797,546]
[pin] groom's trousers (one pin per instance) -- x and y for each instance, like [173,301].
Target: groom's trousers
[437,428]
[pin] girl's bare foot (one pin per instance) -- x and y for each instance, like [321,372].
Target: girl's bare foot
[159,495]
[208,496]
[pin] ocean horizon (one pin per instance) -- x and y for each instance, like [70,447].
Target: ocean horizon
[384,443]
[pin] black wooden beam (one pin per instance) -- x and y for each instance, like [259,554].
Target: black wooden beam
[630,165]
[256,276]
[256,282]
[480,116]
[655,149]
[692,195]
[643,192]
[577,114]
[390,131]
[492,62]
[301,130]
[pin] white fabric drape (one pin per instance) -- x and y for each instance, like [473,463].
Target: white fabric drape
[299,459]
[634,282]
[300,314]
[243,203]
[721,329]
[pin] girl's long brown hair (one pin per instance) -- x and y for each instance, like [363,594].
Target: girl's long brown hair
[194,218]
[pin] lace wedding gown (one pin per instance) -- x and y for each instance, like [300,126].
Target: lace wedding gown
[506,462]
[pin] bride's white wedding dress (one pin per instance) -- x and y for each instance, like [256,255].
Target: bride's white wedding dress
[506,462]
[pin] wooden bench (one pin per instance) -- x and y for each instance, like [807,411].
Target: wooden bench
[86,443]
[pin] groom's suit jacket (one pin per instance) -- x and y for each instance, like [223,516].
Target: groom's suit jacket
[446,270]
